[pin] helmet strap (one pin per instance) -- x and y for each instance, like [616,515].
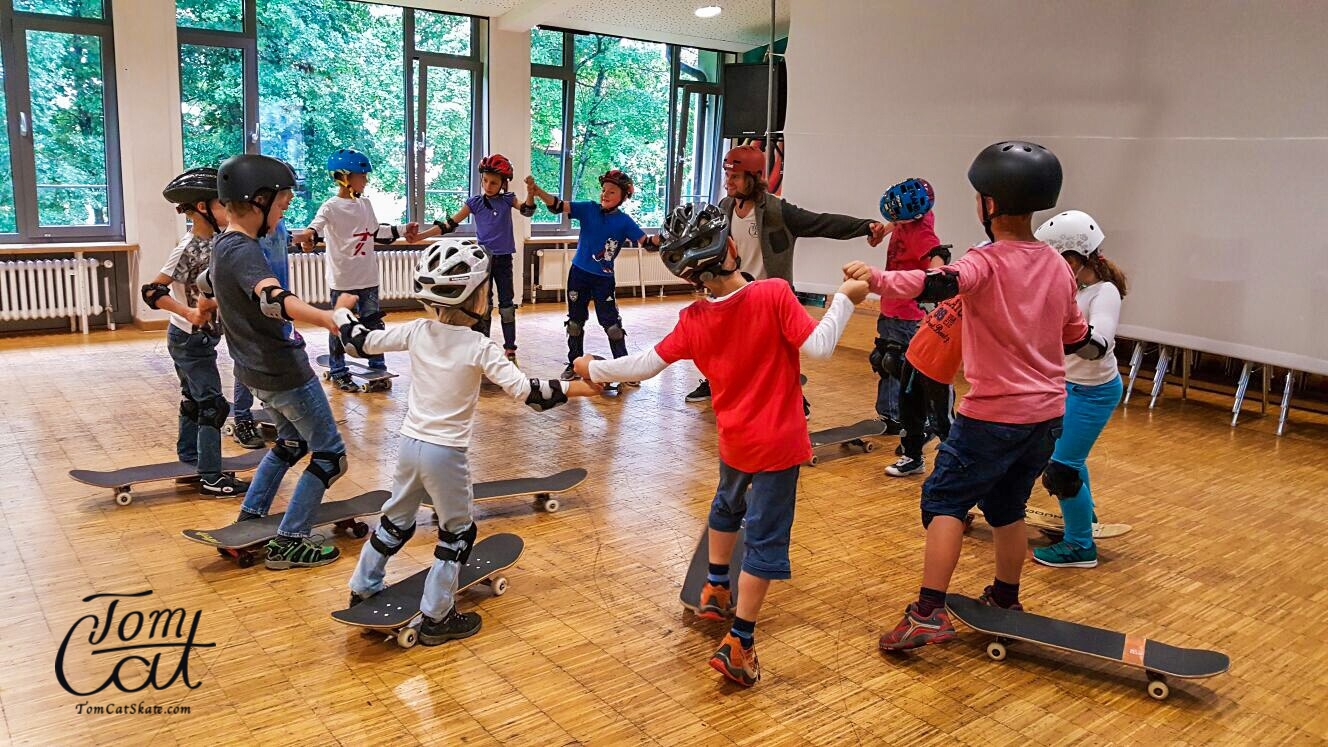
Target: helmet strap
[342,178]
[987,217]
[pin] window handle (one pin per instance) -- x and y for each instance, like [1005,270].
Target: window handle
[253,136]
[23,124]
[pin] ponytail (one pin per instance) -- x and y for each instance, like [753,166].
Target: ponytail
[1108,271]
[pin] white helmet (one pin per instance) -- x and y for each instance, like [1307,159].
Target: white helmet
[1072,231]
[450,270]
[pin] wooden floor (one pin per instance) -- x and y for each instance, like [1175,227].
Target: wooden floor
[590,644]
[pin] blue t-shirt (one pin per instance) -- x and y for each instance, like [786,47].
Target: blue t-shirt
[493,221]
[602,236]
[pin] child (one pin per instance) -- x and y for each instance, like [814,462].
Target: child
[913,245]
[745,337]
[256,190]
[347,225]
[604,231]
[448,358]
[1020,321]
[492,209]
[192,337]
[275,249]
[1092,387]
[926,375]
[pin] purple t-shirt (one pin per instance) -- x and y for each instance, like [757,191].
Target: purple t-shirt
[493,221]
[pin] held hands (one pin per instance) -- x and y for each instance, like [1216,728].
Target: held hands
[412,233]
[303,238]
[199,317]
[878,232]
[855,290]
[582,366]
[586,388]
[858,270]
[207,305]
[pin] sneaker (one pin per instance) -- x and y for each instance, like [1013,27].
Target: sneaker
[345,383]
[378,385]
[906,466]
[246,434]
[806,409]
[1065,555]
[246,516]
[926,439]
[914,630]
[989,599]
[569,373]
[736,663]
[356,599]
[716,602]
[225,485]
[700,393]
[892,426]
[284,553]
[453,626]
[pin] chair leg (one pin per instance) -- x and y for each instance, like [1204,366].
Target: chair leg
[1286,402]
[1241,386]
[1160,375]
[1136,360]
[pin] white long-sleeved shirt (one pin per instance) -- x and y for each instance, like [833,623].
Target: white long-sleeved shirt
[350,231]
[1100,303]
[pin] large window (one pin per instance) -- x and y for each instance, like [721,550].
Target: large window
[58,179]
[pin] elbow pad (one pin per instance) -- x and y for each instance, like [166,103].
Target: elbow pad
[545,394]
[272,302]
[939,285]
[526,210]
[1090,347]
[446,226]
[386,234]
[556,207]
[154,292]
[942,251]
[204,284]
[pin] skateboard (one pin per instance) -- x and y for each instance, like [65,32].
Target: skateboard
[371,380]
[543,488]
[1158,660]
[700,567]
[122,481]
[394,610]
[243,540]
[849,435]
[1052,524]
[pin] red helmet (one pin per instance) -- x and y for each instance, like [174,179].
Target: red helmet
[624,182]
[748,158]
[497,164]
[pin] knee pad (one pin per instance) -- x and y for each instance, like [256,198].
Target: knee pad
[507,314]
[574,328]
[402,536]
[213,411]
[327,475]
[461,554]
[616,332]
[887,358]
[1062,481]
[290,450]
[189,410]
[373,321]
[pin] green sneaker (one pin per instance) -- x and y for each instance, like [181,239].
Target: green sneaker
[1065,555]
[284,553]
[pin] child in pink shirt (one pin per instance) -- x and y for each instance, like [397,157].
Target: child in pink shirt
[1020,320]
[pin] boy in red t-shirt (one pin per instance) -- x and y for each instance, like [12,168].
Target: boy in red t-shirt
[926,379]
[745,338]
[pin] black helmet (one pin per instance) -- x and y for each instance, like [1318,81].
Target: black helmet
[193,186]
[1021,177]
[694,241]
[244,177]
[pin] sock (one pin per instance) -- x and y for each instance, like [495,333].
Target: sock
[1003,594]
[745,630]
[718,574]
[930,600]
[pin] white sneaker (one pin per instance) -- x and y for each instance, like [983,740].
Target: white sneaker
[906,466]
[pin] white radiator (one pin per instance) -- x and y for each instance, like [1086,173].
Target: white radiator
[633,267]
[396,269]
[52,289]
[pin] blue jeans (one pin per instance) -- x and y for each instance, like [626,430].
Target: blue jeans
[303,417]
[243,405]
[887,389]
[989,465]
[1087,410]
[768,509]
[368,310]
[195,357]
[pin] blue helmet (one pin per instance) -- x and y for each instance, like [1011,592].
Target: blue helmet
[349,161]
[907,200]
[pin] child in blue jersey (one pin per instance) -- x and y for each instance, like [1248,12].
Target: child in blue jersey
[492,210]
[605,230]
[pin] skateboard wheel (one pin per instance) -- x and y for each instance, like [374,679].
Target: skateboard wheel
[228,429]
[869,447]
[551,505]
[359,530]
[968,522]
[246,560]
[1157,687]
[222,552]
[124,497]
[407,637]
[814,460]
[499,585]
[996,650]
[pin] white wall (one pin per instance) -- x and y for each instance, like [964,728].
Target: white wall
[509,120]
[1196,131]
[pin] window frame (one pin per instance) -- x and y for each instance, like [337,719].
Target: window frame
[246,41]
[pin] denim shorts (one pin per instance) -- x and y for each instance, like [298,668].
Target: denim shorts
[989,465]
[768,510]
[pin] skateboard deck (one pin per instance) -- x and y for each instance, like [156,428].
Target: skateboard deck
[242,540]
[394,610]
[122,481]
[543,488]
[849,435]
[700,567]
[1159,660]
[371,379]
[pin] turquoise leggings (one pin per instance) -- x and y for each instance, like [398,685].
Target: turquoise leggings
[1087,410]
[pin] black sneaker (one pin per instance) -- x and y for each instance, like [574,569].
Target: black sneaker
[700,393]
[246,516]
[224,486]
[806,409]
[892,426]
[568,374]
[246,434]
[345,383]
[906,466]
[454,625]
[356,599]
[284,553]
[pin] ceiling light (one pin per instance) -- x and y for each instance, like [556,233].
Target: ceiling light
[708,11]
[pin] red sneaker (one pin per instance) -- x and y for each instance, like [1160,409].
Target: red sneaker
[736,663]
[914,630]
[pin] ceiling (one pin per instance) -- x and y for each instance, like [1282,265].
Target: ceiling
[744,24]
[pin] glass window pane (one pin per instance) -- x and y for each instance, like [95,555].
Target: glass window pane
[442,32]
[74,8]
[68,128]
[211,103]
[621,120]
[546,139]
[329,77]
[447,141]
[698,64]
[218,15]
[8,221]
[546,47]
